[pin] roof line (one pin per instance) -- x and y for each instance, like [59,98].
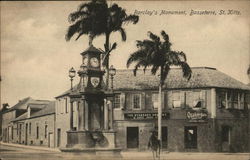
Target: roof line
[33,117]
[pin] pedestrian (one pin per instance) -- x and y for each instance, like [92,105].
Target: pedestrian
[154,144]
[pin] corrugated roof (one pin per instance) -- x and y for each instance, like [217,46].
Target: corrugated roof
[202,77]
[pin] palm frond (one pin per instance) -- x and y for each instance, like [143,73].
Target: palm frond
[187,72]
[123,34]
[154,37]
[73,29]
[76,15]
[139,54]
[165,36]
[84,5]
[131,18]
[182,56]
[141,63]
[165,71]
[154,69]
[114,45]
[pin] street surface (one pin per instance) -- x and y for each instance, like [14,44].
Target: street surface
[20,153]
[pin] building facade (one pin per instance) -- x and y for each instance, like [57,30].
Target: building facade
[33,126]
[208,113]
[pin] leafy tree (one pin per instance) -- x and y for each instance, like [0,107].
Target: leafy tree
[96,18]
[159,56]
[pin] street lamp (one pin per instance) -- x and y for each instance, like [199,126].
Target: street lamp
[72,74]
[112,72]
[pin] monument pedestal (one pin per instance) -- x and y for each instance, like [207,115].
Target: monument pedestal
[92,142]
[95,110]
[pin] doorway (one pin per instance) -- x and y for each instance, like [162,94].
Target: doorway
[58,137]
[164,133]
[20,133]
[132,137]
[225,138]
[51,140]
[26,134]
[190,137]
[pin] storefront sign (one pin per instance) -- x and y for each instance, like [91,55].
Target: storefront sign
[143,116]
[197,116]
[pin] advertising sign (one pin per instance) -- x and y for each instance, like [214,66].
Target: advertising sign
[197,116]
[143,116]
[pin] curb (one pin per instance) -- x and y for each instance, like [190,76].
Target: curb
[31,147]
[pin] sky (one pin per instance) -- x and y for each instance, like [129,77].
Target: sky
[35,58]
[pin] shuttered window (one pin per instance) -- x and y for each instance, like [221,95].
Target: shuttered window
[155,100]
[176,101]
[136,101]
[199,99]
[117,101]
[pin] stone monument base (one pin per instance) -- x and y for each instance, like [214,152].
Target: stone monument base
[92,142]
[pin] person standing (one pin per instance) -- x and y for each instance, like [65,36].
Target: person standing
[154,144]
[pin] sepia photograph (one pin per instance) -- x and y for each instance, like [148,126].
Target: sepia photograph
[137,79]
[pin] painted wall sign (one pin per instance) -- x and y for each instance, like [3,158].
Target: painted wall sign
[143,116]
[197,116]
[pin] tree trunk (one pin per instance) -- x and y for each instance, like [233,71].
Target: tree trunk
[159,112]
[107,61]
[160,106]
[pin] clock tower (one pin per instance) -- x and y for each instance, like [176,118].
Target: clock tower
[95,111]
[90,73]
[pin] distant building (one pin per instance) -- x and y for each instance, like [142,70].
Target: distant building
[208,113]
[30,122]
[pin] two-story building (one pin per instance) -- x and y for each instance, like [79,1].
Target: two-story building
[36,126]
[208,113]
[30,122]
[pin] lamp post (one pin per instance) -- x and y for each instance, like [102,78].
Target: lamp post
[72,74]
[112,72]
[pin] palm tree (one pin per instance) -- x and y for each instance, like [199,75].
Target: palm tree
[96,18]
[160,57]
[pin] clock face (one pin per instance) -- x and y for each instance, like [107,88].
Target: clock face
[94,62]
[95,81]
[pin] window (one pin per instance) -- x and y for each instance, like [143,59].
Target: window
[46,131]
[66,105]
[155,100]
[233,99]
[117,101]
[242,100]
[136,101]
[176,102]
[60,106]
[37,132]
[12,136]
[17,129]
[222,99]
[198,100]
[30,128]
[190,137]
[225,133]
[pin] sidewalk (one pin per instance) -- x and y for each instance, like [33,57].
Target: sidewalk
[164,155]
[31,147]
[186,155]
